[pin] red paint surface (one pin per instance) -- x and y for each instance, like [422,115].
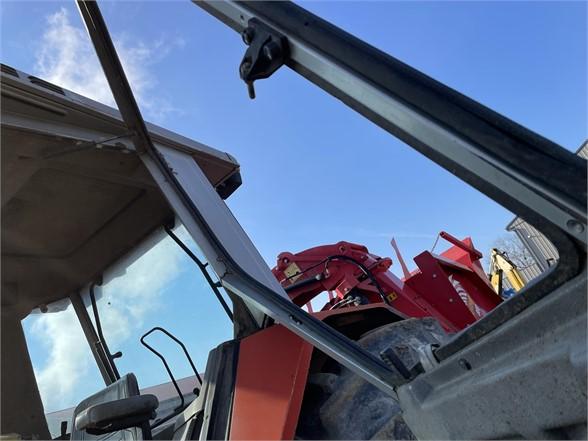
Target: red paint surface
[452,287]
[271,377]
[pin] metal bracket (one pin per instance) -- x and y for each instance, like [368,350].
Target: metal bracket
[267,52]
[405,360]
[106,144]
[180,408]
[202,266]
[427,357]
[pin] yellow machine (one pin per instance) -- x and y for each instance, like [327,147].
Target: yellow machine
[501,265]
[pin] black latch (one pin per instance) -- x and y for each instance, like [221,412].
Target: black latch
[404,360]
[267,52]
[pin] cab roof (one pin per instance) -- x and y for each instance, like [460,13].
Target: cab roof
[75,195]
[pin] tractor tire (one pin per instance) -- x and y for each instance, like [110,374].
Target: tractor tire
[339,404]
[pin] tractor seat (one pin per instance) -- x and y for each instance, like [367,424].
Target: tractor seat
[125,387]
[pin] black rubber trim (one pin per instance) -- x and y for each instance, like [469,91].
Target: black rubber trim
[46,85]
[9,70]
[229,185]
[220,400]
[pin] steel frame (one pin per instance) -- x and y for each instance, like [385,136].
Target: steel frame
[101,356]
[524,172]
[481,147]
[242,270]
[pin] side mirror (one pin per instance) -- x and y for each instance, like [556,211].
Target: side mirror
[102,418]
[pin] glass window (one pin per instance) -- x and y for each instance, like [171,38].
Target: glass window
[161,287]
[63,363]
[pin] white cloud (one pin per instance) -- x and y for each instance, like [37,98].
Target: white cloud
[125,302]
[129,298]
[66,57]
[68,360]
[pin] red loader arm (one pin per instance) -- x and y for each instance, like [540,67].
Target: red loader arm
[452,287]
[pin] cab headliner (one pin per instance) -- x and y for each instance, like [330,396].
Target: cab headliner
[75,195]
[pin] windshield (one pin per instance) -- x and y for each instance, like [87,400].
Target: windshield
[163,287]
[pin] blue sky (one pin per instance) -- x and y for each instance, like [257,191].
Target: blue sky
[314,171]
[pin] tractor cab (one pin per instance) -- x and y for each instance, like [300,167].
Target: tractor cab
[79,206]
[87,190]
